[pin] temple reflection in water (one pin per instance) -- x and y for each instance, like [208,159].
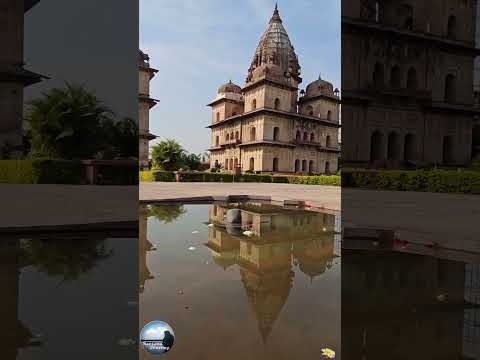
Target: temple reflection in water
[278,241]
[408,304]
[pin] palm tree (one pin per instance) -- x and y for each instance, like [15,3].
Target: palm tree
[67,123]
[168,155]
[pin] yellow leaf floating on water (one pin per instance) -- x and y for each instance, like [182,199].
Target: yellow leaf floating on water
[328,353]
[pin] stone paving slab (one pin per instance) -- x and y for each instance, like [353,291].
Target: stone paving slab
[46,207]
[320,197]
[444,220]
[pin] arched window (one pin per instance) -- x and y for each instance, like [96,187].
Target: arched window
[310,110]
[378,11]
[327,168]
[252,164]
[297,166]
[412,79]
[328,142]
[395,80]
[376,146]
[393,148]
[304,165]
[236,163]
[217,141]
[254,104]
[447,151]
[253,135]
[231,135]
[276,133]
[452,27]
[237,135]
[298,136]
[227,137]
[218,116]
[378,76]
[450,88]
[311,167]
[410,147]
[305,136]
[231,164]
[226,164]
[406,13]
[277,104]
[329,115]
[312,137]
[275,164]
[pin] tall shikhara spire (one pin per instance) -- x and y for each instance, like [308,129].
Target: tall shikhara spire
[275,51]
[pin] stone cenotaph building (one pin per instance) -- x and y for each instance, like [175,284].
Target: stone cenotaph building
[266,126]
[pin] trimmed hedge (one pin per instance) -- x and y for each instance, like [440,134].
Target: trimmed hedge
[40,172]
[166,176]
[439,181]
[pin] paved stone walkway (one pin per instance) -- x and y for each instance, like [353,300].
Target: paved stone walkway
[323,197]
[448,220]
[27,206]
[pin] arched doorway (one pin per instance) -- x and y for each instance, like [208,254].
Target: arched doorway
[231,164]
[297,166]
[252,164]
[275,164]
[304,165]
[327,168]
[305,136]
[235,163]
[277,104]
[312,137]
[395,79]
[378,76]
[452,27]
[376,146]
[226,164]
[298,135]
[412,79]
[447,156]
[393,148]
[311,167]
[276,133]
[254,104]
[328,142]
[410,147]
[329,115]
[253,133]
[450,89]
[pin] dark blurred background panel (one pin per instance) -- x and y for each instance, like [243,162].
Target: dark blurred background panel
[407,81]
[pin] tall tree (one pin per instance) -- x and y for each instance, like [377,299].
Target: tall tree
[67,123]
[168,155]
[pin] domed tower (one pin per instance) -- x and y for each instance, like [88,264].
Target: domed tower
[274,74]
[321,100]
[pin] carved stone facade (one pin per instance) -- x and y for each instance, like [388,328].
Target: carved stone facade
[407,70]
[145,103]
[13,76]
[266,126]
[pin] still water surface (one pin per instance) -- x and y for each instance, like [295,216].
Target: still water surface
[271,294]
[68,298]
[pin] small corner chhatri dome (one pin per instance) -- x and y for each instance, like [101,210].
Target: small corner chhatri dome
[320,87]
[229,87]
[275,53]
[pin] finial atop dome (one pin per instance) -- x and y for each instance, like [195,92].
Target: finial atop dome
[276,15]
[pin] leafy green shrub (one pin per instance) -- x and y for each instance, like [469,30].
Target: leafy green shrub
[57,172]
[146,176]
[440,181]
[16,172]
[280,179]
[333,180]
[164,176]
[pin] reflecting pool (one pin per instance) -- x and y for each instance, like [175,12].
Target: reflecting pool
[72,298]
[241,281]
[408,301]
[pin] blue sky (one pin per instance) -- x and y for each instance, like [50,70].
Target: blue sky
[197,45]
